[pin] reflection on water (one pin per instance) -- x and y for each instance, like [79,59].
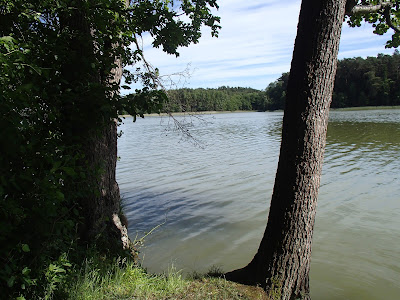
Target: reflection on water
[356,247]
[214,199]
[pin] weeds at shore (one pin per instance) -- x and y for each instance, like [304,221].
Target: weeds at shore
[125,280]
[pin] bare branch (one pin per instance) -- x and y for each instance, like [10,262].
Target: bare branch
[177,79]
[152,72]
[158,82]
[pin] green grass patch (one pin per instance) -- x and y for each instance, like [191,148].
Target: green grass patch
[125,280]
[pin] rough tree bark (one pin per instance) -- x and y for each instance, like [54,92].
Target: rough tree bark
[85,125]
[282,262]
[103,208]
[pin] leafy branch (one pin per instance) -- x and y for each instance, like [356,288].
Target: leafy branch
[381,14]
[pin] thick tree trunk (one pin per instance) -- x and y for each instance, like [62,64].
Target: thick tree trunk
[282,262]
[94,135]
[102,205]
[103,208]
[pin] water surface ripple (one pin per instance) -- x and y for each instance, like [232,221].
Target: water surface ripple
[213,200]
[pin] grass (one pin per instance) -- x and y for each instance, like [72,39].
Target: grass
[128,281]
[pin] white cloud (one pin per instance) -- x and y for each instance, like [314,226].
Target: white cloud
[254,47]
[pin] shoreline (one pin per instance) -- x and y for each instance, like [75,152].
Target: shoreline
[212,112]
[365,108]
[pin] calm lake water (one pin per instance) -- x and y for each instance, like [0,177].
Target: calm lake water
[213,200]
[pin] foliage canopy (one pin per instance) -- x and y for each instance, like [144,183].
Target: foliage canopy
[382,14]
[58,85]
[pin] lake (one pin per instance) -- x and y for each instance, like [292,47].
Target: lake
[212,195]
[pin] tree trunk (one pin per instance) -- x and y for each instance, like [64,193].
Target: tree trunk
[102,205]
[103,208]
[282,262]
[95,135]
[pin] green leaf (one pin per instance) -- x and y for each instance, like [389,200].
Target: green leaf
[7,39]
[10,281]
[69,171]
[56,165]
[26,271]
[25,248]
[59,195]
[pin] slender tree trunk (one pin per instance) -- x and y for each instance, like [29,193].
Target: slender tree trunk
[282,262]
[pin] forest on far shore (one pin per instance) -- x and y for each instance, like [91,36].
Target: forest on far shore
[374,81]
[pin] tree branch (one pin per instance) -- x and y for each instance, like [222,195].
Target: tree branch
[158,83]
[149,68]
[388,19]
[382,8]
[356,9]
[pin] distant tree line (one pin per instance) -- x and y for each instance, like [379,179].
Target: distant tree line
[374,81]
[220,99]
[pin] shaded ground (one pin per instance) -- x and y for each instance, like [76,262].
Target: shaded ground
[216,288]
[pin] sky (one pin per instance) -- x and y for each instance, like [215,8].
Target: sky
[253,49]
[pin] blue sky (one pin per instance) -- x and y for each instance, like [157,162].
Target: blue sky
[254,46]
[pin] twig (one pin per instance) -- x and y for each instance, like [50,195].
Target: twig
[158,83]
